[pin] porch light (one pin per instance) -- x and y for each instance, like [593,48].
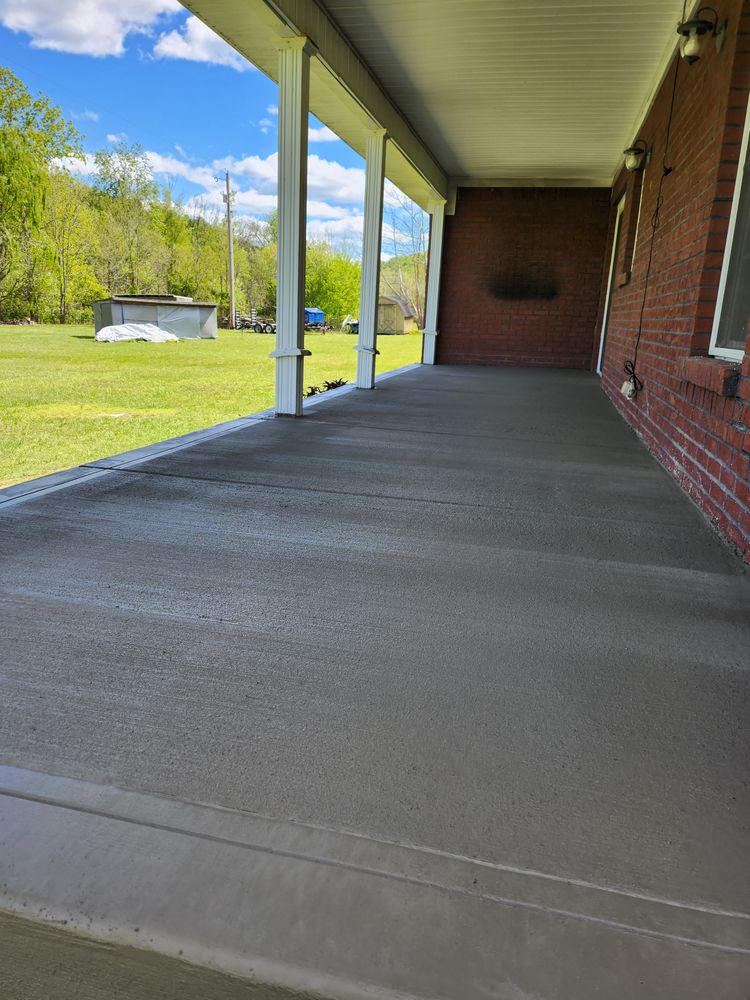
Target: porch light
[636,156]
[694,31]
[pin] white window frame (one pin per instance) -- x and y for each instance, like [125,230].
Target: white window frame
[730,352]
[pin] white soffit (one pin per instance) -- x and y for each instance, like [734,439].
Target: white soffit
[549,89]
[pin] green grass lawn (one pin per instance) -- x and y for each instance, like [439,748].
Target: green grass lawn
[65,399]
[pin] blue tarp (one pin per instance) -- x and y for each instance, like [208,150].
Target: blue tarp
[314,315]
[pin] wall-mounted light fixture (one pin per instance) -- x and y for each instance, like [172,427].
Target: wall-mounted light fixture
[636,156]
[695,30]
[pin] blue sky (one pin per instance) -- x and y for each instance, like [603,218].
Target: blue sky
[147,72]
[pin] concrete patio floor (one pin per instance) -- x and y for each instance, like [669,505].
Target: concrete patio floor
[441,691]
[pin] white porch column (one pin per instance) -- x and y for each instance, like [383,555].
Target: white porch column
[294,89]
[437,212]
[371,239]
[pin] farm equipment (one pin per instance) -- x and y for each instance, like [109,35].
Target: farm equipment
[350,325]
[314,320]
[255,323]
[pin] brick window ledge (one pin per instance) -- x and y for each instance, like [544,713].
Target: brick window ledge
[714,374]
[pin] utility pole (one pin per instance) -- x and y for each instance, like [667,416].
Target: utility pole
[227,197]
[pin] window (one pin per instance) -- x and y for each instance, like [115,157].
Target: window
[733,307]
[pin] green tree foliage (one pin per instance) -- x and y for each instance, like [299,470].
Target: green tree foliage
[39,122]
[32,133]
[125,186]
[64,243]
[70,227]
[22,189]
[331,282]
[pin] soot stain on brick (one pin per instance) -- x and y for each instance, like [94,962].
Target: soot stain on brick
[518,284]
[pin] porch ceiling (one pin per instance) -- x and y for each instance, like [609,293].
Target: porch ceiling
[529,91]
[479,91]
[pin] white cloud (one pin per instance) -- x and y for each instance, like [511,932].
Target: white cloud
[272,109]
[86,116]
[326,180]
[335,192]
[85,27]
[322,134]
[265,125]
[84,167]
[260,169]
[250,203]
[170,166]
[338,231]
[330,181]
[198,43]
[117,136]
[324,210]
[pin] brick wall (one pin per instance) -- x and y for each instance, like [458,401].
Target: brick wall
[693,412]
[521,276]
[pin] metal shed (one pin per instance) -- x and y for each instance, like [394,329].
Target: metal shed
[178,314]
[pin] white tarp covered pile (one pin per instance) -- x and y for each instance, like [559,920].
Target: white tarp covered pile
[134,331]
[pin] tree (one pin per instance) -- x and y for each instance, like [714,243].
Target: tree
[123,179]
[22,189]
[405,238]
[32,133]
[331,282]
[39,122]
[256,278]
[69,228]
[173,258]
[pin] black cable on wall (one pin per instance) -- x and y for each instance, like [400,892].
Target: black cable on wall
[666,169]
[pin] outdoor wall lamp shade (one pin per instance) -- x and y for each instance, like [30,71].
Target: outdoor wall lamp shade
[635,156]
[694,31]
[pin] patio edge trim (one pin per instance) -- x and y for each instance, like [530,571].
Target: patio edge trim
[128,815]
[17,493]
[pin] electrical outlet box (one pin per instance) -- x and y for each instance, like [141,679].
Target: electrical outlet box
[628,388]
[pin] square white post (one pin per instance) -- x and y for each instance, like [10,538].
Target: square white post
[430,332]
[371,240]
[294,90]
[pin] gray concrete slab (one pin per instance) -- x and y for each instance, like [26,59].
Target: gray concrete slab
[465,611]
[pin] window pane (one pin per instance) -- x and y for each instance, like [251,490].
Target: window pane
[735,310]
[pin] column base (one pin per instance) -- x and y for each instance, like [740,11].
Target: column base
[428,346]
[289,371]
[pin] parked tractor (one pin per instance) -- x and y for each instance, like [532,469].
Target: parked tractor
[350,325]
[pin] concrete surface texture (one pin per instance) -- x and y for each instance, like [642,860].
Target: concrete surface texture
[437,692]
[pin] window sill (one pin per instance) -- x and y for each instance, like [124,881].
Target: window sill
[714,374]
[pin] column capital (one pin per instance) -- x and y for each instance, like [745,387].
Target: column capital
[297,43]
[435,204]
